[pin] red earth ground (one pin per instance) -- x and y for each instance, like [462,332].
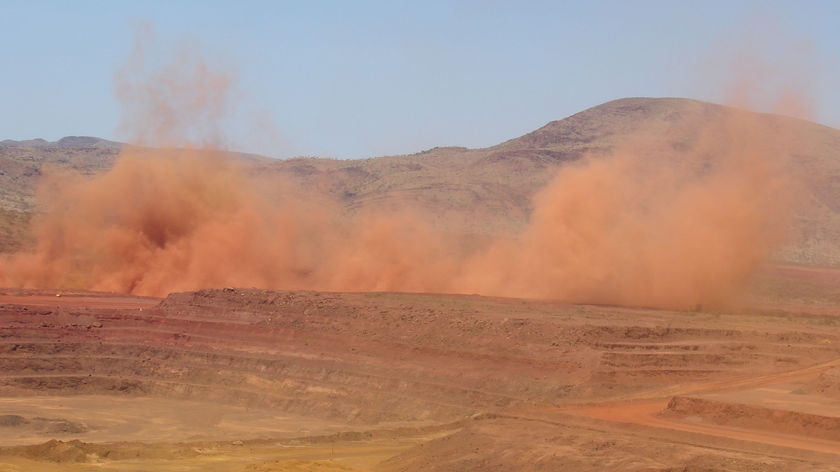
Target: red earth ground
[237,379]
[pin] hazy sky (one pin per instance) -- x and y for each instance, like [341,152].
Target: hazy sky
[361,78]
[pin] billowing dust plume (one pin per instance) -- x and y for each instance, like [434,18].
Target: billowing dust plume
[637,227]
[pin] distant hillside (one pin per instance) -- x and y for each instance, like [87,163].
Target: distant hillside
[483,191]
[65,142]
[22,165]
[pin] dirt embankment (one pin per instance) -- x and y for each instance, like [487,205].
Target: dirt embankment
[754,417]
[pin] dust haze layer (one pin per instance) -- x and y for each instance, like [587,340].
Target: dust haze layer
[632,227]
[614,229]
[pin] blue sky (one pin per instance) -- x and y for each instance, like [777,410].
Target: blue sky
[352,79]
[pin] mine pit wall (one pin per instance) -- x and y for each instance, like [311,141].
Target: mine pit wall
[299,386]
[372,358]
[128,353]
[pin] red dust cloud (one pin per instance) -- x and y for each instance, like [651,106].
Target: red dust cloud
[635,229]
[630,228]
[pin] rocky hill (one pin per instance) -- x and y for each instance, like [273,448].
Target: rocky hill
[489,191]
